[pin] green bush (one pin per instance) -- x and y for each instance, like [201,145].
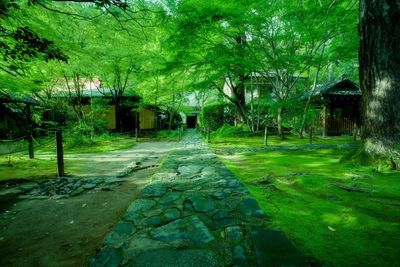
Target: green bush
[232,131]
[167,134]
[216,115]
[76,140]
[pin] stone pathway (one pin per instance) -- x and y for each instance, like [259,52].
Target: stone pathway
[193,213]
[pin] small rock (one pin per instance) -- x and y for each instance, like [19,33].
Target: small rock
[89,186]
[233,183]
[76,192]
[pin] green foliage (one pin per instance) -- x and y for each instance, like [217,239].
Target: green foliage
[240,130]
[256,141]
[215,116]
[96,119]
[173,134]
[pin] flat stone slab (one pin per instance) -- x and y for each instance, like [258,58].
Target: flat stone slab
[202,203]
[154,190]
[178,258]
[119,235]
[189,169]
[250,207]
[140,205]
[170,197]
[187,229]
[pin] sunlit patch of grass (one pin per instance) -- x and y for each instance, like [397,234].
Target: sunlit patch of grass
[101,143]
[337,227]
[290,140]
[21,167]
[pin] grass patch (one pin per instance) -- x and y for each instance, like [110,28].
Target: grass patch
[21,167]
[290,140]
[169,135]
[303,193]
[99,143]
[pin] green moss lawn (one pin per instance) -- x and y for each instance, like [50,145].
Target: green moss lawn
[19,166]
[341,214]
[258,141]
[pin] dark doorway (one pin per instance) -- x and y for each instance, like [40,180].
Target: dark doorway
[127,118]
[191,121]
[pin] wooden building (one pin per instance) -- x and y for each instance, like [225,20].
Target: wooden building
[340,102]
[129,115]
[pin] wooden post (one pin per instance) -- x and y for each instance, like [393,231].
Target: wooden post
[30,146]
[136,126]
[311,134]
[325,121]
[266,135]
[355,131]
[60,153]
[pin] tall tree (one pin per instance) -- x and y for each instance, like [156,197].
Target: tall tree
[380,75]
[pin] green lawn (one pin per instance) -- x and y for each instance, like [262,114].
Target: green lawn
[21,167]
[101,143]
[258,141]
[300,195]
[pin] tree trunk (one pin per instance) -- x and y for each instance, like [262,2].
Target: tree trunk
[171,113]
[279,122]
[380,74]
[241,102]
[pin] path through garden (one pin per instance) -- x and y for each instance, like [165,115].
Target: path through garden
[195,213]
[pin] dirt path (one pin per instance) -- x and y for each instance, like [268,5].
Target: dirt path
[67,232]
[110,163]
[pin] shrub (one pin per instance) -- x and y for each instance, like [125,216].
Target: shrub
[167,134]
[232,131]
[216,115]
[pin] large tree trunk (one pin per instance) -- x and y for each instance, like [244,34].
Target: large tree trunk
[279,122]
[380,74]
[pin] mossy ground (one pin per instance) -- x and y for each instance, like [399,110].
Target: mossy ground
[258,141]
[302,197]
[19,166]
